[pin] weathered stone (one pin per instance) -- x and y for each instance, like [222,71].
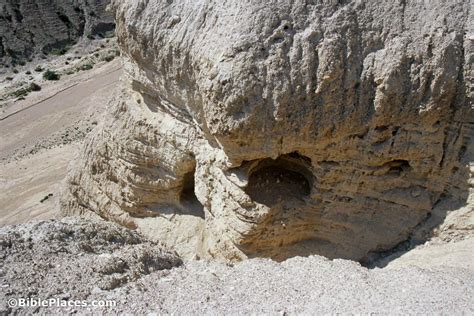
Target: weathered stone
[28,27]
[307,127]
[73,258]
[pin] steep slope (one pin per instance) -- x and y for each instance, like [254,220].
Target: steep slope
[28,27]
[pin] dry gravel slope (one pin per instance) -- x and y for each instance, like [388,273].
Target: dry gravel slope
[93,260]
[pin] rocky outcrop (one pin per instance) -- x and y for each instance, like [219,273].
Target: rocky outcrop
[73,258]
[28,27]
[284,128]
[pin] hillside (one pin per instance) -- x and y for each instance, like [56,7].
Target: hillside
[48,27]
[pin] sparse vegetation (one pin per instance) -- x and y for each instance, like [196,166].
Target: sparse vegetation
[15,71]
[9,78]
[28,72]
[86,67]
[35,87]
[59,51]
[108,58]
[51,75]
[21,93]
[39,68]
[46,198]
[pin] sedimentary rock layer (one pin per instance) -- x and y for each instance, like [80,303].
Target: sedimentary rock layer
[28,27]
[283,128]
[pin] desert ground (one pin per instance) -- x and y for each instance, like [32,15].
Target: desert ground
[40,135]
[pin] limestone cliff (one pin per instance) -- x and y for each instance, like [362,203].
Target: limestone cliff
[283,128]
[28,27]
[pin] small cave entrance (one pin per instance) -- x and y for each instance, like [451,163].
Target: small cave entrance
[288,177]
[188,198]
[397,167]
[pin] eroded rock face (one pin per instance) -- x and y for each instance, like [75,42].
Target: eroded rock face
[28,27]
[300,127]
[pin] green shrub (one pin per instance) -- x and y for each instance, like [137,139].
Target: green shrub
[28,72]
[59,51]
[15,71]
[50,75]
[9,78]
[34,87]
[39,68]
[108,58]
[21,93]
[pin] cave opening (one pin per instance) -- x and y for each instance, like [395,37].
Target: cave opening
[272,181]
[188,198]
[397,167]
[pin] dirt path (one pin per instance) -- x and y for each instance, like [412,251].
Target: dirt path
[38,140]
[26,126]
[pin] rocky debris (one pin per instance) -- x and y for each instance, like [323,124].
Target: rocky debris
[365,108]
[310,285]
[40,26]
[72,258]
[91,260]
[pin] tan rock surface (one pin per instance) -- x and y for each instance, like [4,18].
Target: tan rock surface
[284,128]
